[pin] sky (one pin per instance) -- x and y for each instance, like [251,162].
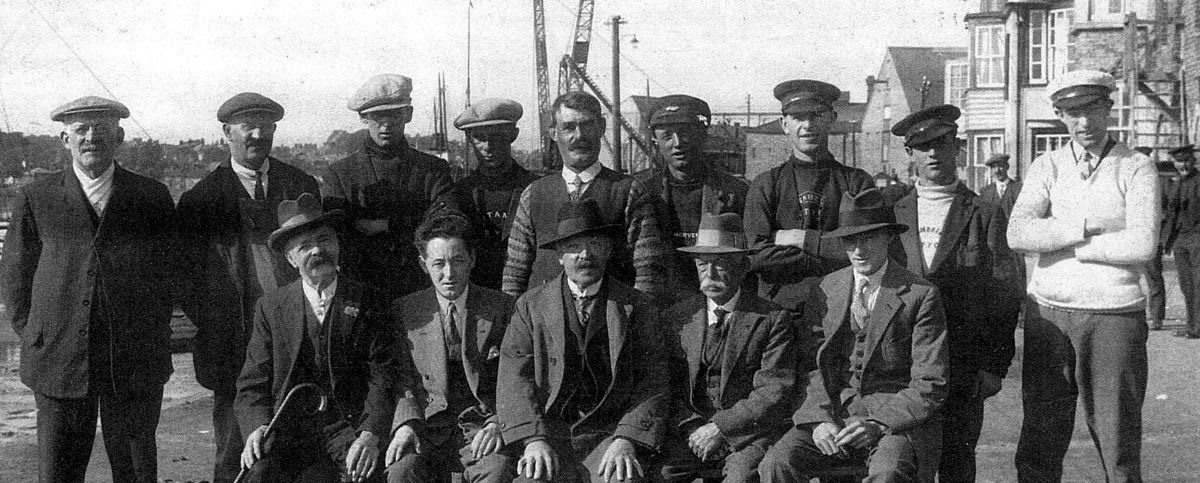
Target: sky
[174,63]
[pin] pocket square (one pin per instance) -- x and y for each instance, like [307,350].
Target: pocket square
[493,352]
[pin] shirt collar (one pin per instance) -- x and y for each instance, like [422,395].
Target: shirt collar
[100,182]
[586,176]
[460,303]
[589,291]
[874,279]
[1097,153]
[248,173]
[316,297]
[728,306]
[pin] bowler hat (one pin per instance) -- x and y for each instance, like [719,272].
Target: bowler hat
[247,102]
[580,218]
[680,109]
[90,104]
[719,234]
[299,215]
[927,125]
[864,212]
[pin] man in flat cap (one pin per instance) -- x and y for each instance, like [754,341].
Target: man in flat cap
[1090,210]
[386,188]
[959,245]
[789,206]
[879,375]
[1004,189]
[226,218]
[638,259]
[496,185]
[323,334]
[736,356]
[1181,233]
[686,184]
[582,388]
[87,275]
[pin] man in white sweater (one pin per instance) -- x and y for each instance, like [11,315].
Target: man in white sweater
[1090,211]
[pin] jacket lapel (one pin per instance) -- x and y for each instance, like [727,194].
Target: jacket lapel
[430,351]
[887,303]
[618,312]
[955,223]
[741,322]
[291,320]
[556,329]
[906,213]
[479,327]
[692,336]
[75,203]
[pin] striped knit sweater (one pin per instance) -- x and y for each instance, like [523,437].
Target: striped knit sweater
[640,261]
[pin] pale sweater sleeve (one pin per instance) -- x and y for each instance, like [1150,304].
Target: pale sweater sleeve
[1032,229]
[522,248]
[1136,243]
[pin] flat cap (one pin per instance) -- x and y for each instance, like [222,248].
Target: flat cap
[382,92]
[927,124]
[1182,150]
[248,102]
[996,159]
[1079,88]
[680,109]
[489,112]
[806,95]
[90,104]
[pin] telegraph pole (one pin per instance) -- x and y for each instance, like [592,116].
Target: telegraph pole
[616,89]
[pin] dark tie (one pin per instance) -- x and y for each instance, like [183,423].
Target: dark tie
[576,187]
[1085,165]
[453,340]
[861,312]
[712,347]
[583,306]
[259,192]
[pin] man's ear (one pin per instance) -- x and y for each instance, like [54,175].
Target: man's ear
[62,136]
[120,136]
[225,129]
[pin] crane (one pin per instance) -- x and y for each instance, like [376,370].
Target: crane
[543,83]
[580,46]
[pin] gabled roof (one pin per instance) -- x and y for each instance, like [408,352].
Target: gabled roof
[915,64]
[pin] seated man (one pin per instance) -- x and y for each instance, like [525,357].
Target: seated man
[324,330]
[453,331]
[880,370]
[737,353]
[582,384]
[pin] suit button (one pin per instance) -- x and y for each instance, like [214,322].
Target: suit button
[426,377]
[83,332]
[428,399]
[553,361]
[86,302]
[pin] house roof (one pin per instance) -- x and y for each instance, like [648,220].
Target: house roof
[915,64]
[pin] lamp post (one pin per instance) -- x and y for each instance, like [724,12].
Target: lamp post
[616,90]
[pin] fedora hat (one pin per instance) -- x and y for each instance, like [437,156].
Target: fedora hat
[295,216]
[579,218]
[864,212]
[719,234]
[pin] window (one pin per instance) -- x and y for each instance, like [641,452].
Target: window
[1121,116]
[1115,6]
[1044,143]
[958,79]
[985,147]
[989,56]
[1050,43]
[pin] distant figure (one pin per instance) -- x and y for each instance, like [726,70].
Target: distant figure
[1156,296]
[1090,211]
[1182,235]
[1004,190]
[87,274]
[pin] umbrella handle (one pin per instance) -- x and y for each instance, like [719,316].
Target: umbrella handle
[322,404]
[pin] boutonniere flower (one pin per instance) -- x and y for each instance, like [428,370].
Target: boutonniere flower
[493,353]
[351,311]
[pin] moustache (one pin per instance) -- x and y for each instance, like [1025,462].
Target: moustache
[582,145]
[319,261]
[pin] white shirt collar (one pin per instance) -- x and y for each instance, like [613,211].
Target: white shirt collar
[460,303]
[589,291]
[874,279]
[319,300]
[97,190]
[246,175]
[728,306]
[586,176]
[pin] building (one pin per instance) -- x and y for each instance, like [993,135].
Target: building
[1017,47]
[767,147]
[908,80]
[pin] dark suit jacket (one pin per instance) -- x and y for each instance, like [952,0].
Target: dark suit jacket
[532,360]
[59,270]
[758,368]
[1006,202]
[419,320]
[976,274]
[904,381]
[220,295]
[364,370]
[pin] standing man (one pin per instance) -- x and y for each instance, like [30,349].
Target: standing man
[737,354]
[87,272]
[453,331]
[1090,211]
[226,219]
[686,185]
[1182,234]
[583,382]
[789,206]
[324,330]
[1004,190]
[879,378]
[386,189]
[959,246]
[637,259]
[495,187]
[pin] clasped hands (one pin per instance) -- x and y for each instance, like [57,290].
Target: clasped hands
[832,439]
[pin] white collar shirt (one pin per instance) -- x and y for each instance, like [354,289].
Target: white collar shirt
[873,280]
[585,177]
[98,190]
[246,175]
[460,306]
[727,307]
[319,300]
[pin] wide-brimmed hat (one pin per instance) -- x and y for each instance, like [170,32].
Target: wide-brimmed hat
[580,218]
[299,215]
[719,234]
[864,212]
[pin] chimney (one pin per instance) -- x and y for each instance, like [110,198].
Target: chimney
[870,87]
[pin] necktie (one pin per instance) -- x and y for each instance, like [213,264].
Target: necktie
[322,304]
[1085,165]
[453,340]
[576,185]
[583,308]
[259,192]
[859,308]
[712,347]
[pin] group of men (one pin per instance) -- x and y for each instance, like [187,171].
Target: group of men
[587,325]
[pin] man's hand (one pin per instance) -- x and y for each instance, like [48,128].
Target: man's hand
[253,451]
[825,438]
[620,462]
[371,227]
[859,434]
[405,440]
[539,462]
[706,441]
[1095,225]
[487,441]
[988,384]
[363,456]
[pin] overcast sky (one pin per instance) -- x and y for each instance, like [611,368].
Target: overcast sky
[173,63]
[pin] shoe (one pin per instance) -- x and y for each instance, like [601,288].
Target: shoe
[1156,324]
[1186,335]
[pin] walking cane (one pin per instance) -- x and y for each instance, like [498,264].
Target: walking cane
[323,401]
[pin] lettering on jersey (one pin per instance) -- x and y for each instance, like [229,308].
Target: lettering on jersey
[810,210]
